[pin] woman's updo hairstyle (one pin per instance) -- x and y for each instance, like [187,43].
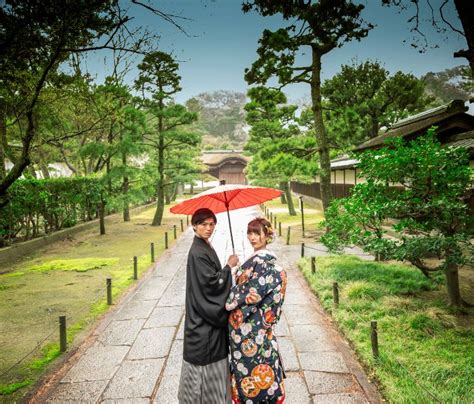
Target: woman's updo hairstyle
[261,225]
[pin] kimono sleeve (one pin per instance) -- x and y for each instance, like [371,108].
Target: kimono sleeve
[249,294]
[270,309]
[212,288]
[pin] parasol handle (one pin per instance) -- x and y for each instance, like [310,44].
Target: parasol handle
[230,224]
[230,229]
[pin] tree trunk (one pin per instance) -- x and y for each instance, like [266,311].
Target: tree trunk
[452,284]
[283,195]
[102,217]
[160,204]
[289,199]
[3,143]
[17,170]
[174,192]
[125,188]
[44,169]
[466,16]
[160,194]
[320,130]
[374,130]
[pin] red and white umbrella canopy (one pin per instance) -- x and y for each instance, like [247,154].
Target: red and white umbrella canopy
[226,197]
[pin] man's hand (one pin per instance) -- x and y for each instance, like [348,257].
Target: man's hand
[233,261]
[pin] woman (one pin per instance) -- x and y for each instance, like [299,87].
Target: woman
[255,303]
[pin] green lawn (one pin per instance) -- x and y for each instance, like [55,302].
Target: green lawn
[68,278]
[426,348]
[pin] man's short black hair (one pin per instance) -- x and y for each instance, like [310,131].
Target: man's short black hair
[201,215]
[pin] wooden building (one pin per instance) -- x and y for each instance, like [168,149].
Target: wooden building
[226,165]
[455,129]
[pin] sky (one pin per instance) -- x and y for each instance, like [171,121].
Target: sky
[221,42]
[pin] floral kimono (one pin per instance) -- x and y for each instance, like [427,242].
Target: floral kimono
[255,304]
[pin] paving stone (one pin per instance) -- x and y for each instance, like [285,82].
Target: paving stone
[296,390]
[172,297]
[165,316]
[301,314]
[82,392]
[180,334]
[135,379]
[281,329]
[288,354]
[325,383]
[323,362]
[295,298]
[175,359]
[152,343]
[311,338]
[168,390]
[98,363]
[136,309]
[340,398]
[153,290]
[121,332]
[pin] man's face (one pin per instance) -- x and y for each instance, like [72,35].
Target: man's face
[205,229]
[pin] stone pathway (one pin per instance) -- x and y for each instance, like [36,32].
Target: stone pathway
[135,354]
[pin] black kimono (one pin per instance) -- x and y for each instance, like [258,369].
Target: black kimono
[207,288]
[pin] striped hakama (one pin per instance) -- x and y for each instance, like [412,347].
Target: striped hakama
[209,384]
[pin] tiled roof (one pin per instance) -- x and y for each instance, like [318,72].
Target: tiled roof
[420,123]
[216,157]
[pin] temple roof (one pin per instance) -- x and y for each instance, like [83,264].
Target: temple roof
[417,124]
[218,157]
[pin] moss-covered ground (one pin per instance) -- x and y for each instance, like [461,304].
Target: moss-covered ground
[68,278]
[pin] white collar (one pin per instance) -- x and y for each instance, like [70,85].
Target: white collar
[263,251]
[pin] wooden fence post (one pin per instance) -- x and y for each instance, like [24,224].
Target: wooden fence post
[335,293]
[313,265]
[109,291]
[166,240]
[302,215]
[288,235]
[174,232]
[62,334]
[302,250]
[135,268]
[152,252]
[279,229]
[374,339]
[182,226]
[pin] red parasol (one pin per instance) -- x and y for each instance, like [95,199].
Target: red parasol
[227,197]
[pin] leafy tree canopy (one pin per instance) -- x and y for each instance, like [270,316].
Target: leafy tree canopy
[363,97]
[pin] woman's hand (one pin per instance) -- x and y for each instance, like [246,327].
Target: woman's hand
[233,261]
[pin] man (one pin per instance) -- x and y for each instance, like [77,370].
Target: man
[205,371]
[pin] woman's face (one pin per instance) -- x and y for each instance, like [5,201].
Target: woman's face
[258,241]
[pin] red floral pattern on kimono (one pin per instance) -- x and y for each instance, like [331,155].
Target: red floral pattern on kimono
[255,304]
